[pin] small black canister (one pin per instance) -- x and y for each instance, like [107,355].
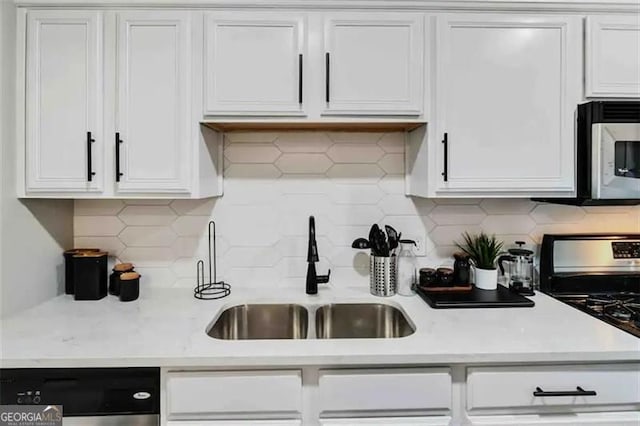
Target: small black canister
[114,279]
[461,269]
[129,286]
[68,267]
[90,275]
[445,277]
[428,277]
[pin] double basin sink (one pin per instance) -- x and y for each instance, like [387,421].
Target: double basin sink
[293,321]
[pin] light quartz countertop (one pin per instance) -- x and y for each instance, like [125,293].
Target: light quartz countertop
[166,328]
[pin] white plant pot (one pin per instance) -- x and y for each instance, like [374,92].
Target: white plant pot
[486,279]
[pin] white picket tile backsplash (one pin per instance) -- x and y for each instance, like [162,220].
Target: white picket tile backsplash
[274,181]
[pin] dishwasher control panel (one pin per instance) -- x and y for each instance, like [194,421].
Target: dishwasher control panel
[29,397]
[84,391]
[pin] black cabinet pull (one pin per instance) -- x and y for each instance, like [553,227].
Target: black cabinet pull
[118,142]
[445,141]
[578,392]
[90,172]
[300,79]
[326,76]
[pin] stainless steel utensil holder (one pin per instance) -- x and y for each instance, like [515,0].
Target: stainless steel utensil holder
[382,275]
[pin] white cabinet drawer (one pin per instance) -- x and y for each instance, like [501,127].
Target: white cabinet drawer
[572,419]
[415,391]
[235,423]
[514,387]
[234,394]
[389,421]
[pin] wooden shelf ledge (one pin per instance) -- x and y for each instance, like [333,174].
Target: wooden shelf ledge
[391,126]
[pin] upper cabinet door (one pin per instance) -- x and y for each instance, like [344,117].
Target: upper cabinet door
[613,56]
[507,89]
[374,64]
[63,98]
[254,64]
[153,142]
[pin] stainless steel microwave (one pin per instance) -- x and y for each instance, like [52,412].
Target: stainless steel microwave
[608,154]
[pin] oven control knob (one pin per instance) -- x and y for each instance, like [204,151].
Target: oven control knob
[36,399]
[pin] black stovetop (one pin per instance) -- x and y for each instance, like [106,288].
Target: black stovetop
[621,309]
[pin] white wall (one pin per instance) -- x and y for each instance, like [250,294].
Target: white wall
[33,233]
[273,181]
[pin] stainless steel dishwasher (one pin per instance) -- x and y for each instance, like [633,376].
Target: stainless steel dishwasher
[89,396]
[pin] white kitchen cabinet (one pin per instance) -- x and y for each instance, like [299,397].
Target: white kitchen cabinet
[374,63]
[63,96]
[254,63]
[153,142]
[235,423]
[234,395]
[613,56]
[385,393]
[506,90]
[133,80]
[571,419]
[388,421]
[532,388]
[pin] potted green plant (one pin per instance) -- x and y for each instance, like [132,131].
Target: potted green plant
[483,250]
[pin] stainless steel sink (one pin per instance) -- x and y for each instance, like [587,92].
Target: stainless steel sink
[258,321]
[361,321]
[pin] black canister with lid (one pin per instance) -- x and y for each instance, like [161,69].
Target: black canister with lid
[461,269]
[129,286]
[69,282]
[114,279]
[428,277]
[90,275]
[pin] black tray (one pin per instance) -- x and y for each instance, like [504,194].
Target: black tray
[476,298]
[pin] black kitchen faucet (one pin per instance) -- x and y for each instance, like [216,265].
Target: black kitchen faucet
[312,257]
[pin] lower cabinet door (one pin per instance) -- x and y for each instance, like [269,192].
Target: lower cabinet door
[391,421]
[236,423]
[394,392]
[561,388]
[229,396]
[591,419]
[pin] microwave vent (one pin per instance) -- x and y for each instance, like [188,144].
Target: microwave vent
[621,111]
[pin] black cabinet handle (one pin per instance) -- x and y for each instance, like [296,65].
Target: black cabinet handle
[300,79]
[90,172]
[118,142]
[326,76]
[578,392]
[445,141]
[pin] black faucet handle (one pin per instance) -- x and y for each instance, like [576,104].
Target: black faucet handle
[323,279]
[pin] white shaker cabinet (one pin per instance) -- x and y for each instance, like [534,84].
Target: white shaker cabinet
[254,63]
[63,96]
[613,56]
[506,90]
[153,143]
[374,64]
[393,396]
[109,106]
[234,397]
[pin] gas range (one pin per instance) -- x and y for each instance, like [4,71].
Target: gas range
[621,310]
[597,274]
